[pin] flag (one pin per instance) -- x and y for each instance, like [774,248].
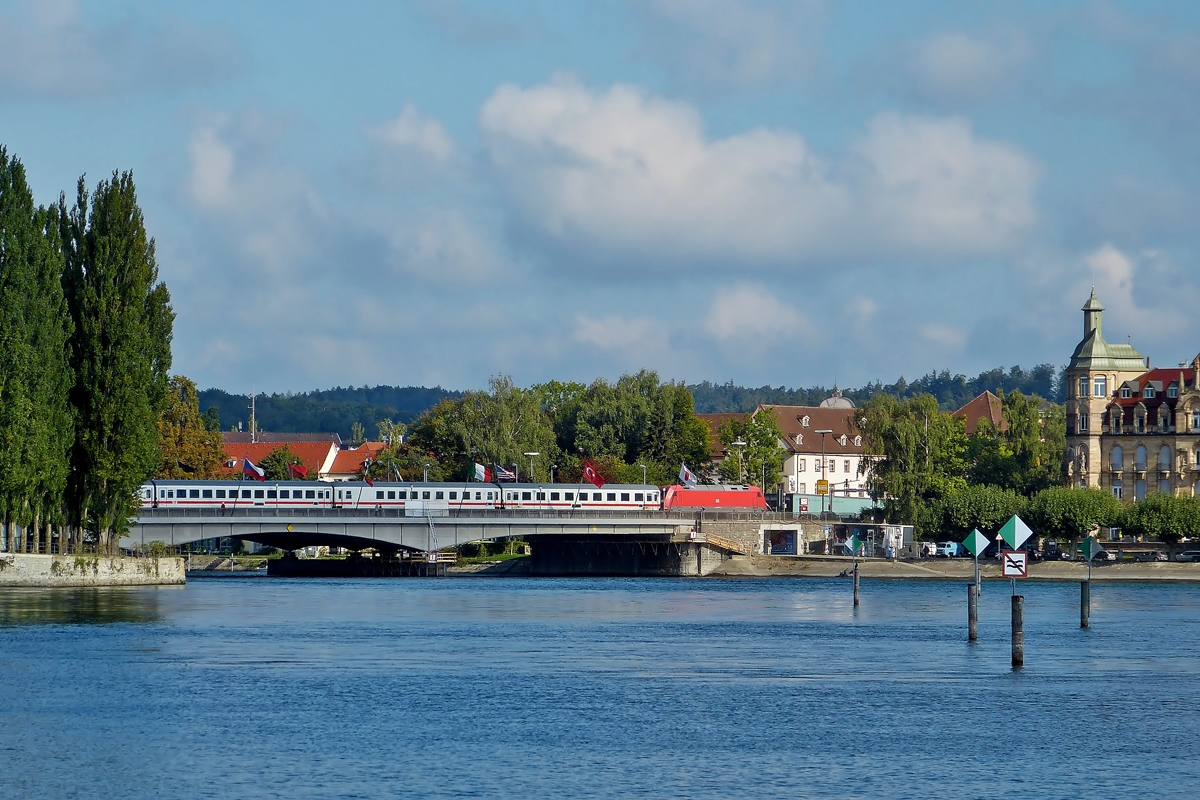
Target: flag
[298,471]
[367,478]
[258,473]
[686,476]
[592,475]
[482,473]
[503,474]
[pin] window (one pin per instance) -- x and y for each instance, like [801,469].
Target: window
[1196,420]
[1118,459]
[1116,422]
[220,493]
[1164,423]
[832,466]
[283,494]
[413,495]
[858,441]
[479,495]
[195,493]
[309,494]
[437,495]
[1100,386]
[652,497]
[569,496]
[612,496]
[1140,425]
[424,495]
[526,496]
[1139,489]
[207,493]
[258,494]
[489,496]
[171,493]
[541,495]
[270,494]
[554,496]
[1164,486]
[802,488]
[1117,489]
[1125,392]
[1083,386]
[638,497]
[1164,459]
[800,464]
[454,495]
[1148,391]
[1173,391]
[1083,423]
[846,466]
[1140,458]
[804,421]
[624,497]
[379,494]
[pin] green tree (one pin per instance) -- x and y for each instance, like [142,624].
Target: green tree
[1027,455]
[358,434]
[188,447]
[762,447]
[1071,513]
[966,507]
[1162,516]
[275,463]
[120,351]
[211,418]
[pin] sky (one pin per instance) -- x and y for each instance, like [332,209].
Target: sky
[792,193]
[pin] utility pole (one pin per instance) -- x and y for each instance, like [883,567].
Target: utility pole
[253,421]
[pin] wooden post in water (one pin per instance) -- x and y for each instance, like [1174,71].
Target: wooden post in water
[1018,630]
[972,612]
[1085,603]
[856,584]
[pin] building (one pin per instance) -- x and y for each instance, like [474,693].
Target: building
[1098,374]
[986,406]
[350,464]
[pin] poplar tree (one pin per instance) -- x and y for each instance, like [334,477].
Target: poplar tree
[35,419]
[120,351]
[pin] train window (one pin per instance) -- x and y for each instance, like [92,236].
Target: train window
[554,495]
[206,493]
[624,497]
[270,494]
[424,495]
[526,496]
[162,493]
[512,495]
[390,496]
[283,494]
[379,494]
[479,495]
[309,494]
[171,493]
[194,493]
[611,496]
[439,495]
[454,495]
[258,494]
[637,497]
[541,495]
[569,496]
[220,493]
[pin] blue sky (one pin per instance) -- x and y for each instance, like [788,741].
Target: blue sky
[766,192]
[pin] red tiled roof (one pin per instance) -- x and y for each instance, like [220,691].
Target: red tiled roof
[839,420]
[312,454]
[984,406]
[350,462]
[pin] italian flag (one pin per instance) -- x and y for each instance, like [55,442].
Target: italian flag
[482,473]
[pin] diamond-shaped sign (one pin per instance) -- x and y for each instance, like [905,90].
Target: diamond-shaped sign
[1091,548]
[1015,532]
[852,544]
[976,542]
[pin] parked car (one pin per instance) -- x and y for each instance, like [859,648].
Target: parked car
[1104,557]
[1188,555]
[1153,555]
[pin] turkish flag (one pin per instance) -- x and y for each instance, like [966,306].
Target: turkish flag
[298,471]
[592,475]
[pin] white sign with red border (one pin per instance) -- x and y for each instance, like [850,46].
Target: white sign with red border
[1014,564]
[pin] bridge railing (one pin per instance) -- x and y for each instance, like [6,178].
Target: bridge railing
[688,516]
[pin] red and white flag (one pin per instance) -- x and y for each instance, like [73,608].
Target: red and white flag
[256,472]
[592,475]
[482,473]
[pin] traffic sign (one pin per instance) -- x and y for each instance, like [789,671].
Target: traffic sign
[1014,564]
[1015,532]
[975,542]
[822,487]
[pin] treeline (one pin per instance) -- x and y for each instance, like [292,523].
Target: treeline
[328,411]
[950,391]
[85,349]
[638,421]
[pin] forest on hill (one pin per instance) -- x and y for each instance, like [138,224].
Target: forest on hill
[337,409]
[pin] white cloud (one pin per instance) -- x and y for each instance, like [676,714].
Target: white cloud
[945,337]
[52,51]
[732,44]
[617,332]
[751,312]
[956,68]
[1151,313]
[411,130]
[621,175]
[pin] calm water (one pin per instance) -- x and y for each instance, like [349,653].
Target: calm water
[258,687]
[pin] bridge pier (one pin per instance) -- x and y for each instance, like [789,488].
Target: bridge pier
[608,555]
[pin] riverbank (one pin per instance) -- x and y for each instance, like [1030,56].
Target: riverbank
[30,570]
[945,569]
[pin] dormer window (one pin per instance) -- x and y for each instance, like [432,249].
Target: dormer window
[1125,392]
[858,441]
[842,440]
[1148,391]
[799,438]
[1173,390]
[804,420]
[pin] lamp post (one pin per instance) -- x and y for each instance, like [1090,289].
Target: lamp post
[741,446]
[643,466]
[425,478]
[552,468]
[516,473]
[530,456]
[823,432]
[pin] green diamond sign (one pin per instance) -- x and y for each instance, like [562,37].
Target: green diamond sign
[1015,532]
[975,542]
[1091,548]
[852,544]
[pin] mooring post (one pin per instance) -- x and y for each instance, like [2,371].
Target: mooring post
[856,584]
[972,612]
[1085,603]
[1018,630]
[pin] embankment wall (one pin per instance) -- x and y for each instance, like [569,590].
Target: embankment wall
[25,569]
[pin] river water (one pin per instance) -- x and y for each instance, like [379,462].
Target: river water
[261,687]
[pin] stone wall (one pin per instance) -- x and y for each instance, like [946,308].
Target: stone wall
[21,569]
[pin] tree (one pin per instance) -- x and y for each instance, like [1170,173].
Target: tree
[1027,455]
[275,464]
[1064,512]
[211,418]
[189,448]
[759,432]
[120,351]
[966,507]
[358,434]
[1162,516]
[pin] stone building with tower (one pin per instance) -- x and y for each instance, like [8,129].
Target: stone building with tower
[1130,429]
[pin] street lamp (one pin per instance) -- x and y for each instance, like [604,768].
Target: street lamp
[516,473]
[741,467]
[530,457]
[552,468]
[426,478]
[643,466]
[823,470]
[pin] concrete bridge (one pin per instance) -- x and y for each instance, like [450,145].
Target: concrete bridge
[564,542]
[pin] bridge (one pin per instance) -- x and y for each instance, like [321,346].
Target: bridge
[564,542]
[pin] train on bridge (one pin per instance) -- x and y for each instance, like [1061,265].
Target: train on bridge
[433,498]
